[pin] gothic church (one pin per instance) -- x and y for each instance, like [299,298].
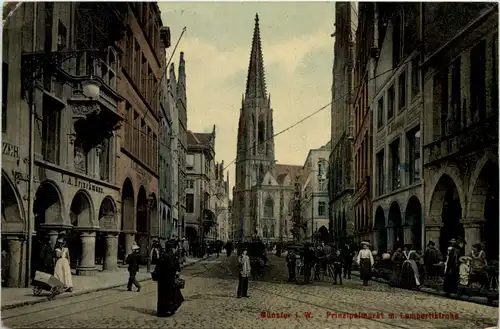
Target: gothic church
[264,191]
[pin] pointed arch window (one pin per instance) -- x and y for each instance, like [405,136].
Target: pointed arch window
[269,208]
[271,232]
[261,130]
[265,232]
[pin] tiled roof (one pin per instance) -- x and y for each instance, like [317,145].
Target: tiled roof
[199,139]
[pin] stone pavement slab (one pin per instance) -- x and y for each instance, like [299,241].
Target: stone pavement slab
[18,297]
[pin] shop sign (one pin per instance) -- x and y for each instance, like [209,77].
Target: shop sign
[80,183]
[10,150]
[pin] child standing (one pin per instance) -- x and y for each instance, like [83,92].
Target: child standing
[464,272]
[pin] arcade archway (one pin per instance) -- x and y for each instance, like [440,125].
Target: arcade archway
[10,205]
[142,223]
[191,234]
[80,215]
[381,230]
[485,197]
[396,223]
[446,200]
[413,218]
[47,206]
[107,222]
[128,214]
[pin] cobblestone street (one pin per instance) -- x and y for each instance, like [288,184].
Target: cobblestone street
[211,303]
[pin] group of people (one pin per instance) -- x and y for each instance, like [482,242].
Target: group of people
[317,259]
[458,269]
[55,261]
[166,273]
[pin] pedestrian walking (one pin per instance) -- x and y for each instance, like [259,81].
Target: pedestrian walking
[365,262]
[133,261]
[291,261]
[309,258]
[166,271]
[243,274]
[432,257]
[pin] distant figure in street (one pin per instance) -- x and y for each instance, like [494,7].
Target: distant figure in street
[169,296]
[155,252]
[410,277]
[347,255]
[229,248]
[291,262]
[397,263]
[309,258]
[365,262]
[464,272]
[133,261]
[244,270]
[338,263]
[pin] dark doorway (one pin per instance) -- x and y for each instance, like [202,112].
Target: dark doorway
[396,222]
[413,218]
[450,214]
[381,230]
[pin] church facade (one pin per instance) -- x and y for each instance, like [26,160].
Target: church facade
[264,191]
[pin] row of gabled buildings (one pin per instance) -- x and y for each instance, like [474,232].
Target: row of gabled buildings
[414,152]
[94,133]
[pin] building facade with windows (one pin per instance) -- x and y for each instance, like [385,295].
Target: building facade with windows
[315,193]
[397,108]
[200,193]
[167,227]
[340,162]
[222,203]
[142,66]
[366,51]
[68,79]
[460,134]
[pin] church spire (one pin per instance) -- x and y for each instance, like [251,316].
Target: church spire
[256,83]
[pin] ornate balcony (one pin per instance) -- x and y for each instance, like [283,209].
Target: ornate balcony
[474,137]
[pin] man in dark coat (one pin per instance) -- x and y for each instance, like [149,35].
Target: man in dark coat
[432,256]
[309,258]
[451,275]
[133,261]
[166,270]
[347,255]
[291,261]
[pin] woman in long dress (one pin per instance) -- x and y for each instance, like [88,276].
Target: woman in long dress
[409,271]
[62,270]
[169,296]
[365,261]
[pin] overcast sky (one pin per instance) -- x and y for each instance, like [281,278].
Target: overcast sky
[298,58]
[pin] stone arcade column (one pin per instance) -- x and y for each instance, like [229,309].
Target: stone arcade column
[390,239]
[53,234]
[87,263]
[14,278]
[111,256]
[408,235]
[432,233]
[472,230]
[129,242]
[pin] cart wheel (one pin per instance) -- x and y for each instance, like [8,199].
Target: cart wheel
[37,291]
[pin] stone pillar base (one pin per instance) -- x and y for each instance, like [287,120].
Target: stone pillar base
[111,258]
[86,271]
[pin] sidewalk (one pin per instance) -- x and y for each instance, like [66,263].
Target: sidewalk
[17,297]
[474,299]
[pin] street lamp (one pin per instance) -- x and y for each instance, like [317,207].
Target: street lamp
[151,204]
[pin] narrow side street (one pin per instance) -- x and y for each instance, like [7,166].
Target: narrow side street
[211,302]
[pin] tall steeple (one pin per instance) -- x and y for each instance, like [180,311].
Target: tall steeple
[256,82]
